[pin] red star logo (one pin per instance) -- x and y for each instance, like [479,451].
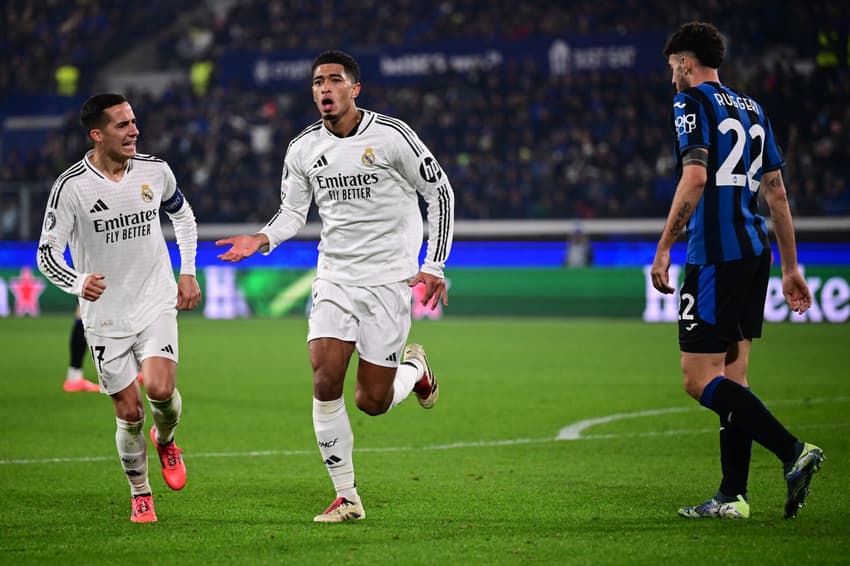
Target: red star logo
[27,289]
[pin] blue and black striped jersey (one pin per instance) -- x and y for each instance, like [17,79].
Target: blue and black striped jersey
[741,147]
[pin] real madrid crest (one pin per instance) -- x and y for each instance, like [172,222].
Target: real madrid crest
[368,157]
[147,193]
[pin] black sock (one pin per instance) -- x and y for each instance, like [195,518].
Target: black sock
[78,344]
[745,411]
[735,451]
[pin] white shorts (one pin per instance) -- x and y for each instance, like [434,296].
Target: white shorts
[117,360]
[376,319]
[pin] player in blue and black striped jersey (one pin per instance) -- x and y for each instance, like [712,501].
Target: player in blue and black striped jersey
[726,153]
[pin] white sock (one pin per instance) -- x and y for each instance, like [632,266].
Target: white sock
[406,377]
[74,374]
[336,444]
[132,449]
[166,415]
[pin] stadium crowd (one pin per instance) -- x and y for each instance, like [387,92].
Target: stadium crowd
[517,142]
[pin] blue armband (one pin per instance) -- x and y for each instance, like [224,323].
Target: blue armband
[175,203]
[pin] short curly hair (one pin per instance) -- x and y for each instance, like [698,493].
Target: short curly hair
[700,38]
[349,63]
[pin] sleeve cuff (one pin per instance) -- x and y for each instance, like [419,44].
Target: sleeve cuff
[433,268]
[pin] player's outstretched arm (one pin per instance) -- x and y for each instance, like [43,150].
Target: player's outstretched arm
[435,289]
[242,246]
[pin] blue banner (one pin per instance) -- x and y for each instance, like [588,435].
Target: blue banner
[640,53]
[303,254]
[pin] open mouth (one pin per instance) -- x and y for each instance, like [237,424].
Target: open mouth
[326,104]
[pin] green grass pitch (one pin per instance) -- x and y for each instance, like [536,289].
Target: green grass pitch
[480,479]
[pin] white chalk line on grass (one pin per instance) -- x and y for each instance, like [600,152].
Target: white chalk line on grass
[574,431]
[571,432]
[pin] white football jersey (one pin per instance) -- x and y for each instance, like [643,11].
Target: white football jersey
[365,187]
[113,228]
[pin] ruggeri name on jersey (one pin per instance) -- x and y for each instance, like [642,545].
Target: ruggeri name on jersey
[126,226]
[739,102]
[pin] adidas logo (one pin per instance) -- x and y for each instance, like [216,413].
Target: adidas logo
[320,163]
[333,460]
[99,206]
[168,349]
[392,357]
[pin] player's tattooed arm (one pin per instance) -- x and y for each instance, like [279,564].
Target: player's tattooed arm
[681,219]
[688,194]
[775,181]
[685,202]
[689,190]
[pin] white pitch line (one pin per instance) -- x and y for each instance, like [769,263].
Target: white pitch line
[570,432]
[574,431]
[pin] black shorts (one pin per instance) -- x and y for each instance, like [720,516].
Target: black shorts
[722,303]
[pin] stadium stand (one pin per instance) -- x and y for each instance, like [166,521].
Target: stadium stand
[518,140]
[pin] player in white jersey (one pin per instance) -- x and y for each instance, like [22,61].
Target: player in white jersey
[364,171]
[106,209]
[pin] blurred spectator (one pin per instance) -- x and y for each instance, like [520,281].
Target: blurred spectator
[200,74]
[578,250]
[9,218]
[67,79]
